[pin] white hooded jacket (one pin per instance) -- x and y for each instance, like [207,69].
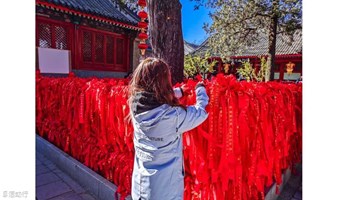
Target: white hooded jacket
[158,172]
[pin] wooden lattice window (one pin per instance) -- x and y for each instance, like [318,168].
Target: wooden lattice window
[87,46]
[110,50]
[61,41]
[52,35]
[101,50]
[45,35]
[99,43]
[119,53]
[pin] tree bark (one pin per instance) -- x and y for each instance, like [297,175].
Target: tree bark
[165,34]
[272,48]
[272,44]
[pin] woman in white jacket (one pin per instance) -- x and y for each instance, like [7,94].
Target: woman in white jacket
[159,122]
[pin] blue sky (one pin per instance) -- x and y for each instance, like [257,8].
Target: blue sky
[192,22]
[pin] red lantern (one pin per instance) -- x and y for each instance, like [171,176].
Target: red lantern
[143,14]
[143,24]
[143,36]
[142,3]
[142,46]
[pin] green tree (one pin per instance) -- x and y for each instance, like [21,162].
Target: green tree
[131,4]
[239,23]
[248,72]
[260,76]
[190,66]
[198,64]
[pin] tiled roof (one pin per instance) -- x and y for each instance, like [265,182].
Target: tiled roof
[188,47]
[283,46]
[202,49]
[109,9]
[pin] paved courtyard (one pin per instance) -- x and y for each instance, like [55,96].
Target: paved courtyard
[53,184]
[293,188]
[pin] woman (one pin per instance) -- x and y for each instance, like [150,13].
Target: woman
[159,121]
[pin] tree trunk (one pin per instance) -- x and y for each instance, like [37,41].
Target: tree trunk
[165,34]
[272,48]
[272,43]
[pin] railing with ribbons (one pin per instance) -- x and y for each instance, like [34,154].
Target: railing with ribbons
[253,132]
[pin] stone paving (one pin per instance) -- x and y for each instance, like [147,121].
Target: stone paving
[293,188]
[53,184]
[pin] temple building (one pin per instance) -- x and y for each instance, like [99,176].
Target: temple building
[287,53]
[100,37]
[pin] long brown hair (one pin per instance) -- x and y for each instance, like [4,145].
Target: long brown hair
[153,75]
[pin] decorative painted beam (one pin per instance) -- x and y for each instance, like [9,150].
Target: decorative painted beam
[89,16]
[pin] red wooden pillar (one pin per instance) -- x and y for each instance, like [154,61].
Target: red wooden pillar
[220,65]
[256,65]
[71,43]
[77,46]
[281,71]
[128,67]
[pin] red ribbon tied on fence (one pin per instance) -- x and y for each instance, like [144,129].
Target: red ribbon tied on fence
[253,132]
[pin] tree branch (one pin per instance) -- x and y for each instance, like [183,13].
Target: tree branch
[262,14]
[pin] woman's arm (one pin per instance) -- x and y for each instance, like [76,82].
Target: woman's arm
[178,92]
[196,114]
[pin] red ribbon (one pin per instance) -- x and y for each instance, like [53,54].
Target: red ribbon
[253,133]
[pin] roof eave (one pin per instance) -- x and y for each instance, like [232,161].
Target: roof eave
[86,15]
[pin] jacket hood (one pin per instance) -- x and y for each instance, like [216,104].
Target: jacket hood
[147,110]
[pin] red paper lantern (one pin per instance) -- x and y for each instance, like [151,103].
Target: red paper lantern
[143,14]
[142,3]
[142,46]
[143,36]
[143,24]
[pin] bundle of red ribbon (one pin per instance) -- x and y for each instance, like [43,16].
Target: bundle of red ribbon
[252,134]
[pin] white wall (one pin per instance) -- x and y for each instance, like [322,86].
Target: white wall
[53,60]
